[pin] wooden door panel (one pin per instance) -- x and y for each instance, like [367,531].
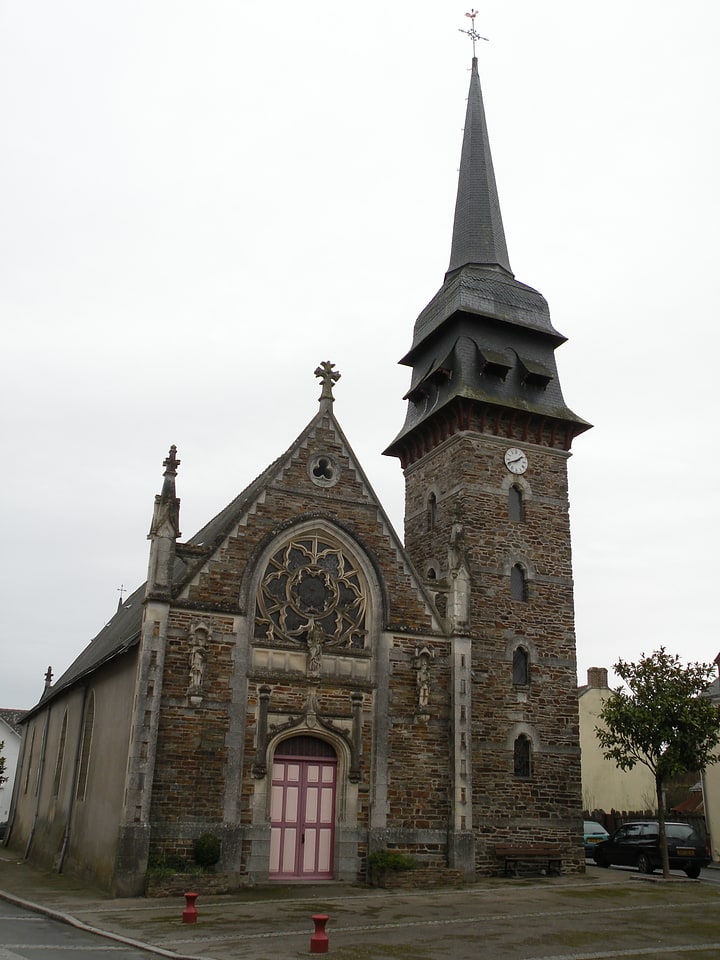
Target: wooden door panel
[302,819]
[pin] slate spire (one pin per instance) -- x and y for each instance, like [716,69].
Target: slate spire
[478,234]
[482,353]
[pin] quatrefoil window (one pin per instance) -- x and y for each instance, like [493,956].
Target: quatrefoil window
[324,470]
[312,582]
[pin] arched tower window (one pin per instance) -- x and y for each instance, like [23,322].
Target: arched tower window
[522,757]
[516,504]
[431,511]
[521,667]
[518,583]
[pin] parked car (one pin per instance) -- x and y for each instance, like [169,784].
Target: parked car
[594,833]
[637,844]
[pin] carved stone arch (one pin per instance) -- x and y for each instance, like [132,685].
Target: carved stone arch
[527,730]
[312,571]
[433,569]
[355,543]
[341,746]
[513,480]
[519,559]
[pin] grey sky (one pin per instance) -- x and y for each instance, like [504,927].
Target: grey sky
[200,201]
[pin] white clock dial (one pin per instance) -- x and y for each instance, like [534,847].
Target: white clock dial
[515,460]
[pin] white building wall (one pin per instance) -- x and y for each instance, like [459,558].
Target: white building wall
[11,752]
[604,785]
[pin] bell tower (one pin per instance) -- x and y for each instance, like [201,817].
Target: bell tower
[484,450]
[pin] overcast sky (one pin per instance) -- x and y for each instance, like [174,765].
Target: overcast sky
[199,201]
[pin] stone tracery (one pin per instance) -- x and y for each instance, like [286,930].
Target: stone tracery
[312,584]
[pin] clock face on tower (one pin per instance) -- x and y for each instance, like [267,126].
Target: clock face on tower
[515,460]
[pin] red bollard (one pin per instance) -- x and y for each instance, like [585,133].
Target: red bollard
[319,941]
[190,912]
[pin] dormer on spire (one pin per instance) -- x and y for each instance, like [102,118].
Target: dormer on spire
[328,377]
[164,531]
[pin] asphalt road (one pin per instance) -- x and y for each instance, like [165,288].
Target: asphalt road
[26,935]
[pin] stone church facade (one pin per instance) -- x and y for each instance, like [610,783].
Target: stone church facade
[301,683]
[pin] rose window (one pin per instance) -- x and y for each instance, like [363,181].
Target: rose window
[310,583]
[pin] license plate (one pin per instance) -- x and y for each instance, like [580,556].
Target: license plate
[685,851]
[594,839]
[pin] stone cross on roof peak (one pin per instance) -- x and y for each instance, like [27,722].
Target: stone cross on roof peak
[328,377]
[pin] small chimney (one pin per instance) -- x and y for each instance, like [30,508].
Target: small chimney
[597,678]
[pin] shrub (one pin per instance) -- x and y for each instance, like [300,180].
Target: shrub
[382,861]
[206,850]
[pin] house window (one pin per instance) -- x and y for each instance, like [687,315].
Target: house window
[518,583]
[88,724]
[516,505]
[522,757]
[521,667]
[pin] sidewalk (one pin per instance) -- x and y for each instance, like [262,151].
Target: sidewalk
[507,919]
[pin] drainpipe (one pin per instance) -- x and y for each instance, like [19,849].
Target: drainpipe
[38,788]
[73,786]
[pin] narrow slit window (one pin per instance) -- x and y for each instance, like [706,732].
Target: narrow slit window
[516,504]
[88,723]
[431,511]
[522,758]
[518,583]
[521,667]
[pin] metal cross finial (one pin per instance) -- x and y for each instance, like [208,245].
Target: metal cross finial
[327,377]
[121,590]
[472,32]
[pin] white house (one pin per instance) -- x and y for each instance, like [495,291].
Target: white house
[10,735]
[604,785]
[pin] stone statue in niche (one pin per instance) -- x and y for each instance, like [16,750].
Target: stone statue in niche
[315,640]
[458,605]
[422,677]
[198,658]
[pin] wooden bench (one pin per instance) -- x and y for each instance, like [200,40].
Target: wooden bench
[542,853]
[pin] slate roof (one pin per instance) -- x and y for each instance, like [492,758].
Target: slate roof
[12,718]
[478,233]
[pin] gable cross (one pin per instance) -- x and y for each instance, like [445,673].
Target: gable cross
[328,377]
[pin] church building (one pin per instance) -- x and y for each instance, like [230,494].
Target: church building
[298,681]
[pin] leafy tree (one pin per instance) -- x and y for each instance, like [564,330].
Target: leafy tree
[662,721]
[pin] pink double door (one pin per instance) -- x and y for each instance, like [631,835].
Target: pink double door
[302,818]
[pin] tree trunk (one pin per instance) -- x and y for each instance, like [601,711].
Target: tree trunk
[661,826]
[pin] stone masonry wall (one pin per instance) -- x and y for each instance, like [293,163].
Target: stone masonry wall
[469,480]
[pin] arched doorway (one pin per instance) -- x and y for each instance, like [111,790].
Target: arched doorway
[302,810]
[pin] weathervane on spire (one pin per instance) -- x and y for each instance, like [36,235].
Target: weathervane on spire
[472,32]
